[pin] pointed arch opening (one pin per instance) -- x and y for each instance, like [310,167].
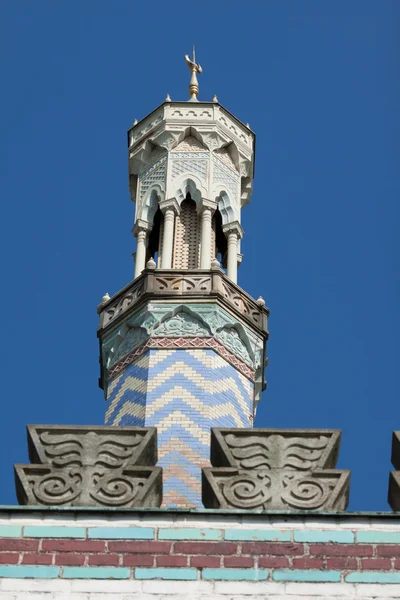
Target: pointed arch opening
[154,246]
[221,244]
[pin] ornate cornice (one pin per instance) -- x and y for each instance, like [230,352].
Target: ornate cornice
[185,285]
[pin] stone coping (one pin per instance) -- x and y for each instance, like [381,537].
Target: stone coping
[201,512]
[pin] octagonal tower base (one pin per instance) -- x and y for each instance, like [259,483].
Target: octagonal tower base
[182,352]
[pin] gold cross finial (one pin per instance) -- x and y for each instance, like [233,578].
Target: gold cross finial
[194,69]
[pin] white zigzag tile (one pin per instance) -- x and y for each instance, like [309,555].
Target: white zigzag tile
[129,408]
[228,384]
[113,384]
[178,366]
[142,361]
[158,355]
[225,409]
[200,355]
[178,418]
[130,383]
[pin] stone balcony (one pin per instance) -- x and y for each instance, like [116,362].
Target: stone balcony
[164,284]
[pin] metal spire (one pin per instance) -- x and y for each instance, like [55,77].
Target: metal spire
[194,69]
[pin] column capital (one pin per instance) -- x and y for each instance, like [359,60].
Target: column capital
[210,204]
[170,203]
[233,227]
[141,225]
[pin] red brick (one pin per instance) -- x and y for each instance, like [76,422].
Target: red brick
[141,547]
[305,562]
[373,564]
[104,559]
[353,550]
[171,561]
[9,558]
[74,545]
[138,560]
[397,564]
[205,548]
[273,562]
[388,550]
[18,544]
[37,559]
[273,549]
[204,562]
[342,562]
[238,561]
[70,560]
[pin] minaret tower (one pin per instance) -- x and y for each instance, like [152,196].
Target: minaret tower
[182,345]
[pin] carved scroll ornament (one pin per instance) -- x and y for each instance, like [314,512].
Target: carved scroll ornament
[90,466]
[267,469]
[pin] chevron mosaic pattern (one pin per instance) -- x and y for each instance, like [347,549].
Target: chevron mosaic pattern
[183,393]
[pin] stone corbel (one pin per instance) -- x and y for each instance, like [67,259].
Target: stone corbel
[169,203]
[141,225]
[205,203]
[233,227]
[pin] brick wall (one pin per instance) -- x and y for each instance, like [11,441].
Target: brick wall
[80,555]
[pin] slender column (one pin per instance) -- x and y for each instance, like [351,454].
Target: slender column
[206,221]
[140,252]
[140,230]
[170,208]
[233,231]
[168,238]
[231,270]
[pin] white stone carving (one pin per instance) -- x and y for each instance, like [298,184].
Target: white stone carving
[189,144]
[225,176]
[190,165]
[154,174]
[137,132]
[223,154]
[229,124]
[194,112]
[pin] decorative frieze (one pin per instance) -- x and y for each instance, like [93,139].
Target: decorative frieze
[210,325]
[268,469]
[394,479]
[90,466]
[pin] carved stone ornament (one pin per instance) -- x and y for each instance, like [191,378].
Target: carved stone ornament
[90,466]
[394,479]
[275,469]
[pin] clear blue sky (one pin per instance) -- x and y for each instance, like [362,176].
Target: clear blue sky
[319,84]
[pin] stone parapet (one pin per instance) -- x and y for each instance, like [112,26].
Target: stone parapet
[167,284]
[275,469]
[90,466]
